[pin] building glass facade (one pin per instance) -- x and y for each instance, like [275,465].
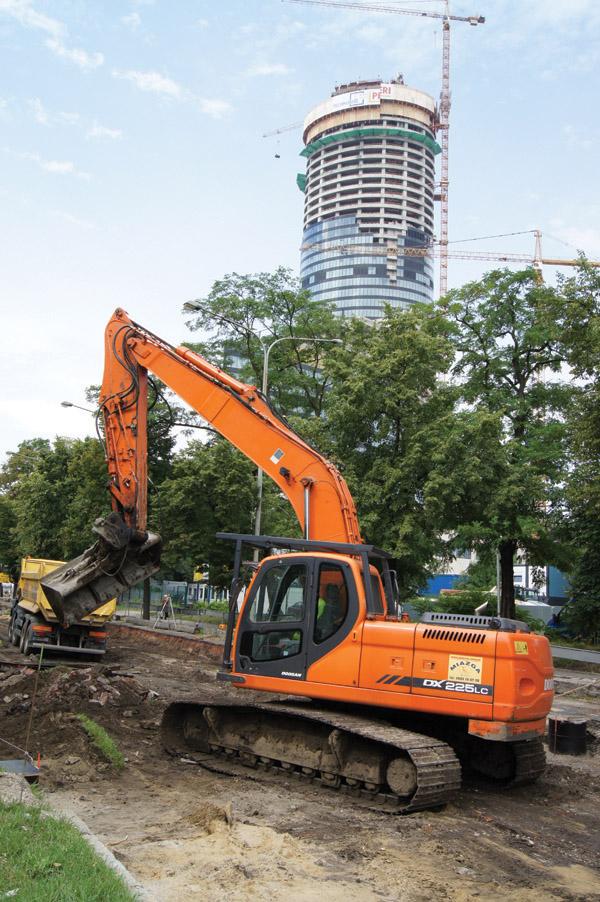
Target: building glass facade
[369,192]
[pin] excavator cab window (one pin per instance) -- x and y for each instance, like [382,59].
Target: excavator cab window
[280,599]
[332,602]
[377,592]
[281,595]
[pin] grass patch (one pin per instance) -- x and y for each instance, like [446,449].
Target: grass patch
[102,741]
[48,860]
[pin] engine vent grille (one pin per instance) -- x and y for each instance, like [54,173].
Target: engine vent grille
[475,621]
[454,636]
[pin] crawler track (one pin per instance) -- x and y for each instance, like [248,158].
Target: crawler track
[344,752]
[530,761]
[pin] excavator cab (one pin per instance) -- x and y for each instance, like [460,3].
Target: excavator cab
[306,599]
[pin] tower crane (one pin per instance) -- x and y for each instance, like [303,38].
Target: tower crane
[443,123]
[393,249]
[285,128]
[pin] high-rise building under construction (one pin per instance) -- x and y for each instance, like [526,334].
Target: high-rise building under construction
[369,192]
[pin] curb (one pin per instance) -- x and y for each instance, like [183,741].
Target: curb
[17,785]
[140,892]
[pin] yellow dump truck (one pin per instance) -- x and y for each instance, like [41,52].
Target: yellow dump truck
[34,625]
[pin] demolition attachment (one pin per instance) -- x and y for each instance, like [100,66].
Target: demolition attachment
[121,558]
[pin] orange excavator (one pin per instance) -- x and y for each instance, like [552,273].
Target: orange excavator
[361,700]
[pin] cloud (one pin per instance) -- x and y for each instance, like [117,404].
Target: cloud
[151,81]
[133,20]
[23,12]
[57,167]
[397,37]
[46,117]
[157,83]
[268,69]
[69,118]
[76,55]
[201,23]
[40,114]
[576,139]
[214,107]
[73,220]
[101,131]
[584,239]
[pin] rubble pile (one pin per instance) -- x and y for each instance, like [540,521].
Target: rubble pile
[112,697]
[65,689]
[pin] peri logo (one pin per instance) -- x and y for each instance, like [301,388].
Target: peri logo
[464,668]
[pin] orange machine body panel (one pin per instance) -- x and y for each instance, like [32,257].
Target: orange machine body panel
[486,676]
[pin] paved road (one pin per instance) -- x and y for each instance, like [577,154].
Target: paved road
[575,654]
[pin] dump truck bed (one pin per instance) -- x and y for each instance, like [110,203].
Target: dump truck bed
[33,597]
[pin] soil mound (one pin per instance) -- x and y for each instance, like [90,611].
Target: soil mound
[45,719]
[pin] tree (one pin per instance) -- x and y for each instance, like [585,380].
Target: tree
[53,492]
[84,488]
[384,417]
[9,559]
[508,358]
[241,309]
[578,316]
[211,489]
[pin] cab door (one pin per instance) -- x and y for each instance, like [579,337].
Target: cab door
[274,624]
[334,630]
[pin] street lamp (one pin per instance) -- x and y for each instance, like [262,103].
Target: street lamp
[266,347]
[193,307]
[70,404]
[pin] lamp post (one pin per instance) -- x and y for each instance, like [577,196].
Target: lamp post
[70,404]
[194,306]
[266,347]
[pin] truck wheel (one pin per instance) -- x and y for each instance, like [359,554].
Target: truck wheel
[12,638]
[25,644]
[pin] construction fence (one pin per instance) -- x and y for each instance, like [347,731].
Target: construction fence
[186,598]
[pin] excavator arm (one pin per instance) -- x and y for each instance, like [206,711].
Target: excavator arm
[314,487]
[239,412]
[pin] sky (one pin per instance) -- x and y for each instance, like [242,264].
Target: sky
[135,172]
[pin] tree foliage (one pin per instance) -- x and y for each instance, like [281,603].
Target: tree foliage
[384,419]
[578,317]
[508,360]
[52,493]
[240,310]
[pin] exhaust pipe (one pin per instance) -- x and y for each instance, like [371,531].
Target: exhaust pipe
[122,557]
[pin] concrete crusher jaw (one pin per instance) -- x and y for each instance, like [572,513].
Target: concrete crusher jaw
[119,559]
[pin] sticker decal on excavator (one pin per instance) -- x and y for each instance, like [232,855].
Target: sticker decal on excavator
[465,669]
[453,686]
[276,456]
[445,685]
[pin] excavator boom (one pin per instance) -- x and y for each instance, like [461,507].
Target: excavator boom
[239,412]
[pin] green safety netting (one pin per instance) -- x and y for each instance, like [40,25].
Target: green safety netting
[301,181]
[374,132]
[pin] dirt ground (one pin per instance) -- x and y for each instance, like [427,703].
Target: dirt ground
[187,833]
